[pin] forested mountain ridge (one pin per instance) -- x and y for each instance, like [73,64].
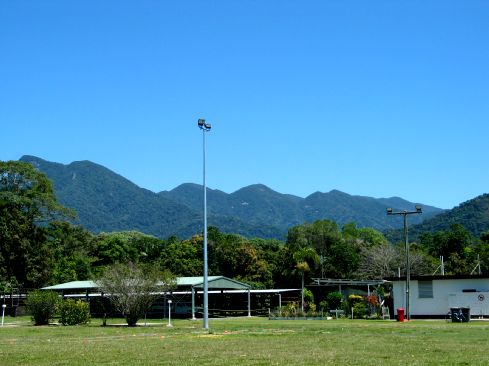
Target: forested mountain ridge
[259,204]
[473,215]
[106,201]
[55,251]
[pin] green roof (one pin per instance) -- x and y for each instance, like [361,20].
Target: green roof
[214,282]
[73,285]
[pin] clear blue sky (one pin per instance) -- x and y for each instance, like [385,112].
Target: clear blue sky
[375,98]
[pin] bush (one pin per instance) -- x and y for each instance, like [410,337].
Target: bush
[134,287]
[309,301]
[289,310]
[359,310]
[42,305]
[354,299]
[373,305]
[74,312]
[334,300]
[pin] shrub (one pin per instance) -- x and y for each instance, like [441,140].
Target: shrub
[132,287]
[308,300]
[359,310]
[42,305]
[74,312]
[290,309]
[324,305]
[334,300]
[374,307]
[311,311]
[353,299]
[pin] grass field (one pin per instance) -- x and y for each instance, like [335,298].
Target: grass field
[247,341]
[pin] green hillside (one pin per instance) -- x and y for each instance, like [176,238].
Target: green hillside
[106,201]
[473,215]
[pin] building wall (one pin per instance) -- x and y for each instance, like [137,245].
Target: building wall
[447,293]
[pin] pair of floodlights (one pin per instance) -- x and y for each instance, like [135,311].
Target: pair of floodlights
[417,207]
[203,125]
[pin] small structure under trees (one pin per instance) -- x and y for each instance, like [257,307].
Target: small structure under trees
[184,290]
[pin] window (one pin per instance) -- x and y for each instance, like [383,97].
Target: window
[425,289]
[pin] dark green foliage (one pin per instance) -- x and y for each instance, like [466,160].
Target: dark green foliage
[70,248]
[338,258]
[236,257]
[359,310]
[457,246]
[38,250]
[445,243]
[27,203]
[254,205]
[74,312]
[108,202]
[125,246]
[42,305]
[334,300]
[183,258]
[473,215]
[260,206]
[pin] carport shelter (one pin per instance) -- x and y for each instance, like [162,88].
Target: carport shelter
[185,286]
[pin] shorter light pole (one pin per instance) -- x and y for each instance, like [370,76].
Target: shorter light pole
[406,244]
[169,314]
[3,312]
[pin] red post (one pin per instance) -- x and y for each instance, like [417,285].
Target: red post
[400,314]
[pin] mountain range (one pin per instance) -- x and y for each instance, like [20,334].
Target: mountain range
[473,215]
[106,201]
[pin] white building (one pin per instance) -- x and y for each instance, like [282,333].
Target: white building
[433,296]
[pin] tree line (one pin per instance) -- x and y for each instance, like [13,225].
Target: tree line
[40,246]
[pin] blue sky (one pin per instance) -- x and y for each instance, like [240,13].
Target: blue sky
[374,98]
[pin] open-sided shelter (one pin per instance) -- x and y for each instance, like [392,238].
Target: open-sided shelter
[186,287]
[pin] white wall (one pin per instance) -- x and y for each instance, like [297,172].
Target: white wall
[447,293]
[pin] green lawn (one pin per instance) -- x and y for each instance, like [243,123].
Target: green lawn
[247,341]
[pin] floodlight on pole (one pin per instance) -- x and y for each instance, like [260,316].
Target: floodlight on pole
[205,127]
[169,314]
[3,312]
[405,213]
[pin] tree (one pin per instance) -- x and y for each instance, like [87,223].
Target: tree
[183,258]
[337,257]
[133,288]
[270,253]
[455,245]
[112,248]
[483,252]
[378,262]
[27,204]
[302,256]
[42,305]
[70,247]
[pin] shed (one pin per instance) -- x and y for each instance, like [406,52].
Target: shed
[434,296]
[185,285]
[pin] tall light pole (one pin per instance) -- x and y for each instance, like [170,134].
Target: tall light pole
[205,127]
[405,213]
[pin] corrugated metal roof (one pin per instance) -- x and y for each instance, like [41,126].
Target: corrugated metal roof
[73,285]
[214,282]
[219,282]
[193,281]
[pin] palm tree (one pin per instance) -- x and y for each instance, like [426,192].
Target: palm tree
[301,257]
